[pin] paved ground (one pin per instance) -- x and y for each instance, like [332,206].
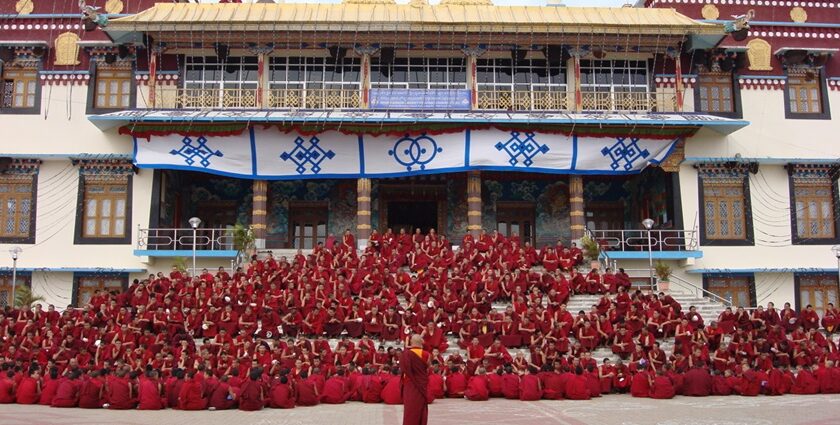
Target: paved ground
[612,410]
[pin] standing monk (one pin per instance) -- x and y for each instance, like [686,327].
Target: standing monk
[414,363]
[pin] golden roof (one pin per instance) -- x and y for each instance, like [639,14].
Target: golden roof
[379,16]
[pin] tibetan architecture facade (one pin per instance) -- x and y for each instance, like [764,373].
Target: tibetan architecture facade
[303,121]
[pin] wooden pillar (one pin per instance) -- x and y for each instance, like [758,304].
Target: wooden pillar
[155,51]
[472,54]
[576,54]
[366,52]
[578,223]
[258,212]
[474,202]
[678,78]
[363,210]
[262,52]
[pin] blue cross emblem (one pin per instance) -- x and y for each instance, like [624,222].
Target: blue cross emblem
[312,155]
[190,152]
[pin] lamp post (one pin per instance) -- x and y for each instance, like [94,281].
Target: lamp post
[836,250]
[194,223]
[648,223]
[15,250]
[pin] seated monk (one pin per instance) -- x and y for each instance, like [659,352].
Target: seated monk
[577,387]
[336,389]
[92,391]
[392,391]
[282,395]
[119,392]
[307,391]
[191,396]
[252,394]
[477,389]
[67,393]
[661,387]
[149,392]
[456,383]
[530,386]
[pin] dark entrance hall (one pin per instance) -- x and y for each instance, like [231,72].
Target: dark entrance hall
[411,215]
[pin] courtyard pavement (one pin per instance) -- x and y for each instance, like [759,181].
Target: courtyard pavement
[611,410]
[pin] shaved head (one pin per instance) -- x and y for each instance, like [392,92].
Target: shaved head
[416,341]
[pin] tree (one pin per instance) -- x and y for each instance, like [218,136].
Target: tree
[24,296]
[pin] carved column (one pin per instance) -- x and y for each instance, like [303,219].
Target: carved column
[472,54]
[155,52]
[577,53]
[365,52]
[678,78]
[262,53]
[474,202]
[576,206]
[363,210]
[258,212]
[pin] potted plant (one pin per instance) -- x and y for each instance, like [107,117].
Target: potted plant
[590,248]
[244,240]
[663,272]
[24,296]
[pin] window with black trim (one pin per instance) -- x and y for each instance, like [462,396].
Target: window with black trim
[816,290]
[724,209]
[113,88]
[85,285]
[20,91]
[740,289]
[715,93]
[17,208]
[805,94]
[23,279]
[104,215]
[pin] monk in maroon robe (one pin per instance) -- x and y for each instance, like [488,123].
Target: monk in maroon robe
[282,394]
[251,394]
[414,363]
[119,393]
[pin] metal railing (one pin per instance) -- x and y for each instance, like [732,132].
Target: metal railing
[699,292]
[637,240]
[182,239]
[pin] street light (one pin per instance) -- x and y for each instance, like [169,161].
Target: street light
[648,223]
[15,250]
[836,250]
[194,223]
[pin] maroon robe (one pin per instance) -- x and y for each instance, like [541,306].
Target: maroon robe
[415,387]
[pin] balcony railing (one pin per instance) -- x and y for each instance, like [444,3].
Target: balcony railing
[182,239]
[505,100]
[314,98]
[637,240]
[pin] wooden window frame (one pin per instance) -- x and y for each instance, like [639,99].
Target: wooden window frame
[736,95]
[80,237]
[750,278]
[24,278]
[29,110]
[794,214]
[797,285]
[824,114]
[748,239]
[92,107]
[529,208]
[78,277]
[310,204]
[33,202]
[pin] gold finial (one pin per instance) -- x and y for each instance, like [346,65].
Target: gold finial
[710,12]
[24,7]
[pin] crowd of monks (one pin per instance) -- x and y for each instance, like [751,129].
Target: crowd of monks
[260,337]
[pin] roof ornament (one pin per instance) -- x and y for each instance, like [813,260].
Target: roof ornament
[739,28]
[91,17]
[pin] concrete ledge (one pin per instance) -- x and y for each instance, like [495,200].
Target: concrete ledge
[657,255]
[223,253]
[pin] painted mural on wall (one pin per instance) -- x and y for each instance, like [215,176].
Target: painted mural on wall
[456,211]
[644,195]
[550,198]
[213,189]
[340,196]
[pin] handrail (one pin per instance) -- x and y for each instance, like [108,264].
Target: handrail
[637,240]
[171,239]
[698,291]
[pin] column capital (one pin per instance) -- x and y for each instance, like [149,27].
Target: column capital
[367,50]
[473,51]
[578,52]
[261,49]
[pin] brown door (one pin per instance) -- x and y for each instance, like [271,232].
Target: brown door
[307,225]
[516,218]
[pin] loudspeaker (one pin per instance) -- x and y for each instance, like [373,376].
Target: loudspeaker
[727,63]
[741,60]
[122,51]
[338,53]
[222,52]
[554,54]
[753,167]
[7,54]
[386,55]
[110,58]
[740,35]
[5,163]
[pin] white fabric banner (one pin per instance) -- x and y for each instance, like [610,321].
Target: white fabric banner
[271,154]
